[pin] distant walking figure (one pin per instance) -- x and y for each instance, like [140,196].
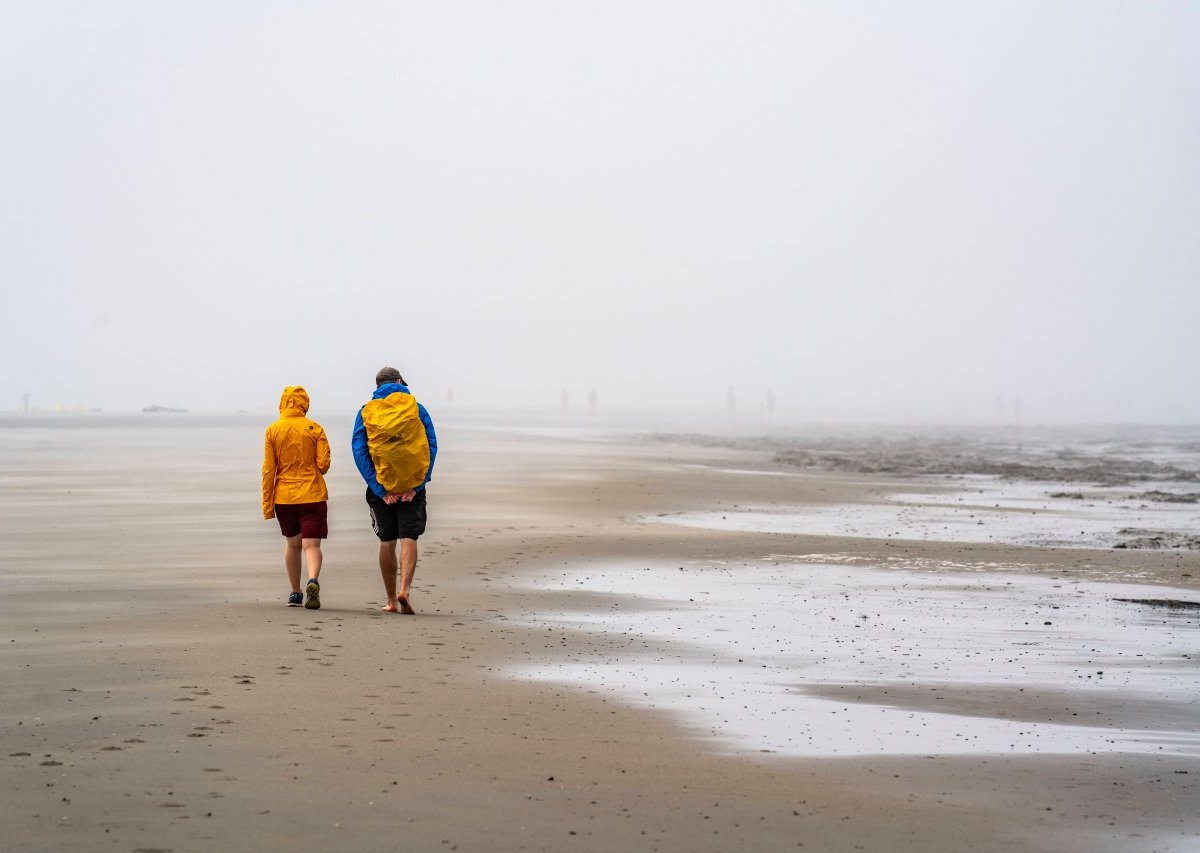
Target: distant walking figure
[394,448]
[731,401]
[295,460]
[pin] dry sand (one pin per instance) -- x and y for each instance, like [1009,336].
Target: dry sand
[159,696]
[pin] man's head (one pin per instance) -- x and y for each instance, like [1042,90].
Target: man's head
[388,374]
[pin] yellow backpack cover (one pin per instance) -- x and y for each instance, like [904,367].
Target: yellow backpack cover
[397,442]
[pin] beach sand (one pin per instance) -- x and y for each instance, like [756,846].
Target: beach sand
[159,696]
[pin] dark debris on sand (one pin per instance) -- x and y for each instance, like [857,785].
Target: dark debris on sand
[1151,540]
[1167,497]
[1033,456]
[1171,603]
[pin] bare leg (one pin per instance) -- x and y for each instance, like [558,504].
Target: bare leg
[387,568]
[312,556]
[408,568]
[291,560]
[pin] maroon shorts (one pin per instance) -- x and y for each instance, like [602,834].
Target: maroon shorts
[309,521]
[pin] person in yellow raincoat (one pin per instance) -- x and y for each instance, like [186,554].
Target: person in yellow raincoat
[295,459]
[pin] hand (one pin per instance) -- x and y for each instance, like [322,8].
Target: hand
[409,495]
[390,498]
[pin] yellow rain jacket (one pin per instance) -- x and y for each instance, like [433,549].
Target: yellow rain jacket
[295,455]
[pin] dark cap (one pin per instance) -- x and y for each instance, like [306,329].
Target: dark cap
[388,374]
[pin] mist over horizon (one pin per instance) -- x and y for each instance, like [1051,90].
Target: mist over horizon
[926,213]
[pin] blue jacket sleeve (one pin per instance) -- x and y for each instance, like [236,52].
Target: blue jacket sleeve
[362,456]
[431,437]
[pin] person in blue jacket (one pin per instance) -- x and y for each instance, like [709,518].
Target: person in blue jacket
[399,509]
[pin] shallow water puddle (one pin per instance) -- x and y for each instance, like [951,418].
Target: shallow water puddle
[989,512]
[837,660]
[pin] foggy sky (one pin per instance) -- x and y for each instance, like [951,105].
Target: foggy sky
[874,210]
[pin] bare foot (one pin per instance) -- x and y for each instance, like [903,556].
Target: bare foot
[390,608]
[405,607]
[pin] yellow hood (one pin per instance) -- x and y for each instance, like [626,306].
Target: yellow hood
[294,402]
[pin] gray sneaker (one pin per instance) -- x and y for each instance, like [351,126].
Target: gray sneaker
[313,591]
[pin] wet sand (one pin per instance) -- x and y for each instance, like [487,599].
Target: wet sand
[160,697]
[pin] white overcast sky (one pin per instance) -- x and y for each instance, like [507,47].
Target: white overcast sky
[891,210]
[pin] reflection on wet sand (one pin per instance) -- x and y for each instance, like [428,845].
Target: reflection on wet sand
[819,659]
